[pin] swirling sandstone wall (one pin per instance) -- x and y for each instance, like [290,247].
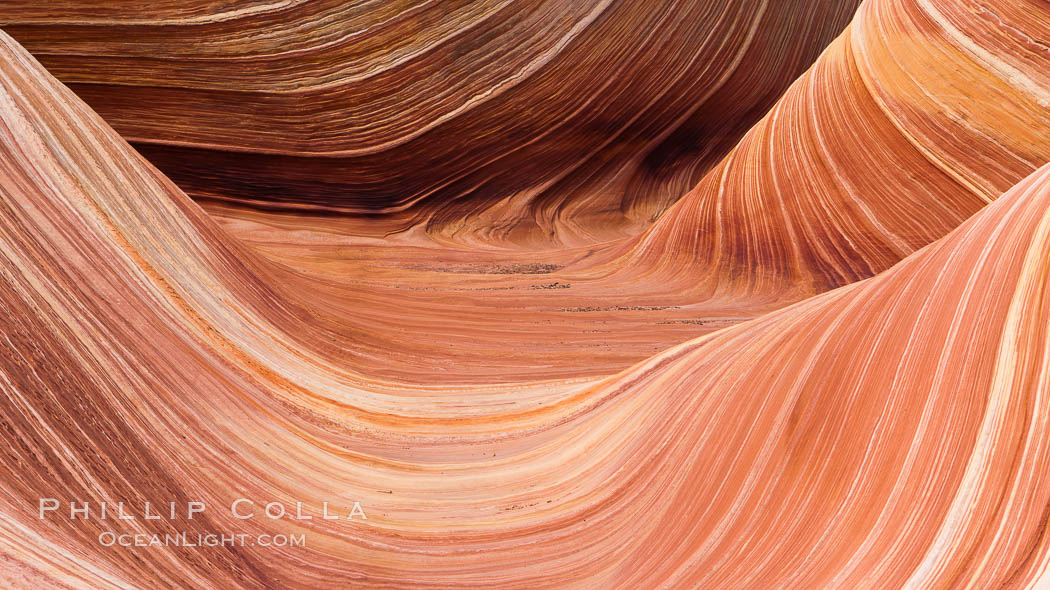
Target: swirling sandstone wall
[541,118]
[826,366]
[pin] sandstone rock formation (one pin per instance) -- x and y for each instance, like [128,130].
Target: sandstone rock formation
[531,120]
[826,366]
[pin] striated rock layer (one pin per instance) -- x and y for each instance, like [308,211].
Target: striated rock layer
[520,120]
[890,432]
[922,112]
[544,418]
[918,116]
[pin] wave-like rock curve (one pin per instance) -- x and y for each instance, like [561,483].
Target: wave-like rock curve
[888,433]
[918,115]
[524,121]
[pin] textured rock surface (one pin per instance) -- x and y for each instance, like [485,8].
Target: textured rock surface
[917,116]
[595,416]
[520,120]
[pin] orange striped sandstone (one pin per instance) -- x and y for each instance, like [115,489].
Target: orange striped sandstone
[891,432]
[499,121]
